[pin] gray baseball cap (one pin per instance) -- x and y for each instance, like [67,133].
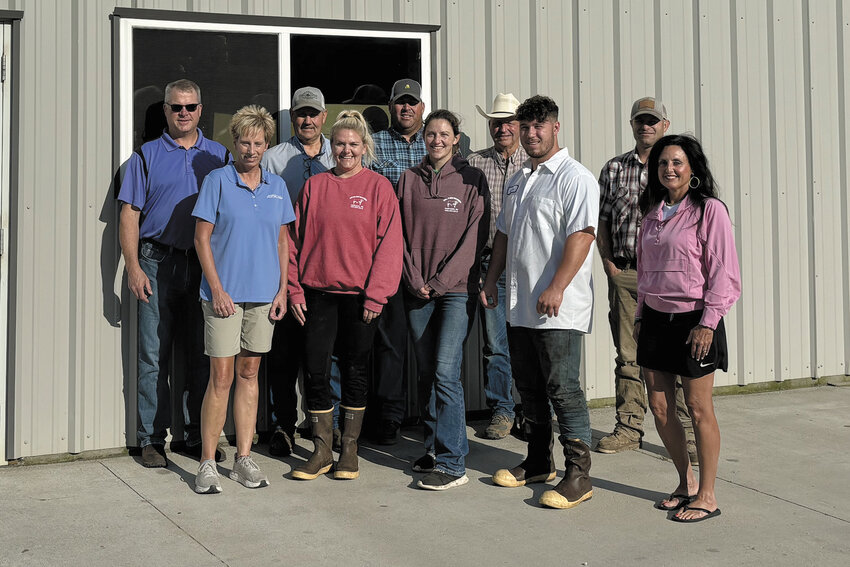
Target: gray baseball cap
[651,106]
[308,97]
[406,87]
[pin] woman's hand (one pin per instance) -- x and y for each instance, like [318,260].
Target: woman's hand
[278,309]
[369,316]
[299,311]
[222,304]
[700,339]
[636,332]
[424,292]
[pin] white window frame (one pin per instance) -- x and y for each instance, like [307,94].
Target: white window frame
[127,26]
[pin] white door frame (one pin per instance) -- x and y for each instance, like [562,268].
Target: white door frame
[5,138]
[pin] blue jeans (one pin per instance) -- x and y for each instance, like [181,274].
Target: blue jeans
[497,357]
[439,328]
[173,309]
[546,365]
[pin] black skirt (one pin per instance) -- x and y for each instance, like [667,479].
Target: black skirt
[661,344]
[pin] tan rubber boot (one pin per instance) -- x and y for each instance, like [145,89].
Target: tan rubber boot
[347,466]
[538,466]
[575,487]
[320,462]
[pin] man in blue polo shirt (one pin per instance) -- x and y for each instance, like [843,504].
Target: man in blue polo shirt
[157,195]
[396,149]
[297,159]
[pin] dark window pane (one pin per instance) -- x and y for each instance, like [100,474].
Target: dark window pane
[354,72]
[232,70]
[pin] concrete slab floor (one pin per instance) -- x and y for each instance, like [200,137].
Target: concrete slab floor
[782,487]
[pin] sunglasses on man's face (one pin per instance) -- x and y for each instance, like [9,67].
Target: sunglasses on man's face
[180,107]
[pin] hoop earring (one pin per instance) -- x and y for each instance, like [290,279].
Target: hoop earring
[691,182]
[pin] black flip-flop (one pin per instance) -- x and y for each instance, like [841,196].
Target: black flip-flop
[684,500]
[708,514]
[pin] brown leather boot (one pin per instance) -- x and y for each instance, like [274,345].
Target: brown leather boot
[575,487]
[320,462]
[352,422]
[538,466]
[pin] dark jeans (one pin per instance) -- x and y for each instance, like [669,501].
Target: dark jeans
[390,347]
[173,309]
[333,317]
[283,362]
[546,365]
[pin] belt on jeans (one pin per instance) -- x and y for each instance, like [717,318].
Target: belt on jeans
[625,263]
[166,248]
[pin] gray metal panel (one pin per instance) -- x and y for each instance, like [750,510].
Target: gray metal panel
[762,84]
[790,169]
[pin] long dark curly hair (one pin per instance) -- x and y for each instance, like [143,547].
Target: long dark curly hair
[655,192]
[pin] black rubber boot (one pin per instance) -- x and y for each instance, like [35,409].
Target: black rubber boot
[538,466]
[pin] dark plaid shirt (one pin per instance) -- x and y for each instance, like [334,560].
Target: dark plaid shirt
[394,154]
[497,170]
[621,182]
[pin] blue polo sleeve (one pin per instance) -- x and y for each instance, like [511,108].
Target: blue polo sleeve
[134,183]
[206,208]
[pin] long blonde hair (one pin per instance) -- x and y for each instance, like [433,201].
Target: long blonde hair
[353,120]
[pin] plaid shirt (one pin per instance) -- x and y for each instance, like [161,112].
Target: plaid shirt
[497,170]
[394,154]
[621,182]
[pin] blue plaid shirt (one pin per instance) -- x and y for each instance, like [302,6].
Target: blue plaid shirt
[394,154]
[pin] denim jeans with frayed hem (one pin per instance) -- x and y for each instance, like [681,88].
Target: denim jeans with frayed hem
[173,309]
[439,328]
[546,364]
[496,353]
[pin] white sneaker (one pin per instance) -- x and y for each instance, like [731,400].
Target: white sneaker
[247,473]
[207,480]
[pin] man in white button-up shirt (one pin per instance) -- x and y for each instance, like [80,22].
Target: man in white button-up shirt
[544,235]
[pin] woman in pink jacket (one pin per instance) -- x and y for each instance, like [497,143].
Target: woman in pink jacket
[345,261]
[688,279]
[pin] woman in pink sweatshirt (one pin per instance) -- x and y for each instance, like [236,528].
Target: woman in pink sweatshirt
[445,205]
[688,279]
[345,261]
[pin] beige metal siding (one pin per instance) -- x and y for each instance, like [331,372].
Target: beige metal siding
[761,83]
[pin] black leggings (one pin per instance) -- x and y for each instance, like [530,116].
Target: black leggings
[331,316]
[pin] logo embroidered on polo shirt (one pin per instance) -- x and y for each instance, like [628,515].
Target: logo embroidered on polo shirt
[357,201]
[512,189]
[273,196]
[452,204]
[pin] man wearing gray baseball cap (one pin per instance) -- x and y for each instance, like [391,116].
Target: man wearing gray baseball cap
[297,159]
[622,180]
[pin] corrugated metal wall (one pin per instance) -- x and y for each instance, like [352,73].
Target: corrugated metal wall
[762,83]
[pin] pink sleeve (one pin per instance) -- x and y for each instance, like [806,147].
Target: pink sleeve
[720,262]
[640,296]
[385,273]
[294,290]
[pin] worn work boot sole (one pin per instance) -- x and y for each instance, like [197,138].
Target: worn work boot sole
[301,475]
[617,442]
[506,478]
[346,475]
[551,499]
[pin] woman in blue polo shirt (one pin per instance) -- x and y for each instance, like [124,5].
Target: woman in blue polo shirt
[243,245]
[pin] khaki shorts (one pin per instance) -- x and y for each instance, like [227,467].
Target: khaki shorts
[249,328]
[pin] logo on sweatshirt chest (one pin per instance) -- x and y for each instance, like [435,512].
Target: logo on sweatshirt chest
[357,202]
[452,204]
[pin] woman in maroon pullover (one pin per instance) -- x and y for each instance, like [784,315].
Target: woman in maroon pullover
[445,209]
[345,261]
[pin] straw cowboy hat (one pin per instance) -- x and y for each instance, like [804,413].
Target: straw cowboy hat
[504,106]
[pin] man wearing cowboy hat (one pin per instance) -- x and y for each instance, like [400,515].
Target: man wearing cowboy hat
[498,162]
